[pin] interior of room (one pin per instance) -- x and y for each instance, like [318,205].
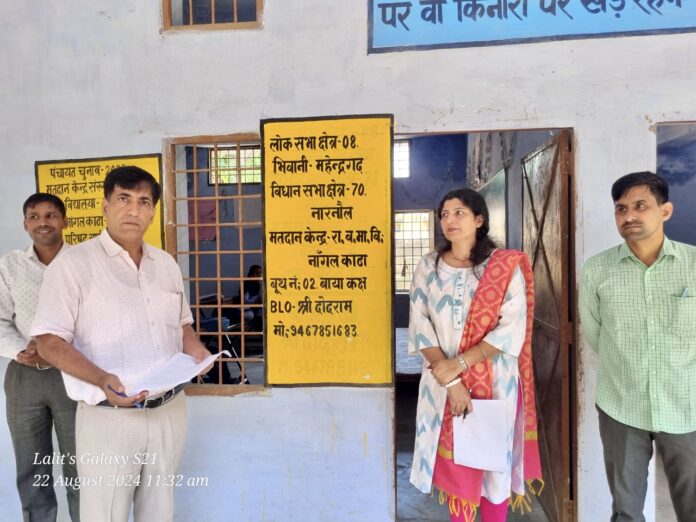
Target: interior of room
[502,166]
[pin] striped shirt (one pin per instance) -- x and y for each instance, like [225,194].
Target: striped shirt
[641,321]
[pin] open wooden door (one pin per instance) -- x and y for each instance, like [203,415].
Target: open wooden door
[547,239]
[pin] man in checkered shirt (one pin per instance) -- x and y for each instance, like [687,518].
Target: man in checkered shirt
[638,312]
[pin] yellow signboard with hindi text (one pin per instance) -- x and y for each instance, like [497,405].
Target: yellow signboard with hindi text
[80,184]
[328,236]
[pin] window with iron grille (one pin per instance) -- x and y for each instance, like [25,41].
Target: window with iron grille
[212,14]
[213,216]
[228,165]
[413,238]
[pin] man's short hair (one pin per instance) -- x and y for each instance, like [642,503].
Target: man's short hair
[657,185]
[42,197]
[131,177]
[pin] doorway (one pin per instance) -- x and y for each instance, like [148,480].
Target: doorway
[526,178]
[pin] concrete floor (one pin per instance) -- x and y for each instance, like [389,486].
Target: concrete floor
[414,506]
[411,504]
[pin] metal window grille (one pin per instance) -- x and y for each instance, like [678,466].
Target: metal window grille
[413,238]
[213,216]
[212,14]
[402,159]
[228,165]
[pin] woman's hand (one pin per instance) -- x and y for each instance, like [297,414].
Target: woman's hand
[446,370]
[459,399]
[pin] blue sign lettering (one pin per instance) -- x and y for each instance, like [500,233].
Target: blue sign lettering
[427,24]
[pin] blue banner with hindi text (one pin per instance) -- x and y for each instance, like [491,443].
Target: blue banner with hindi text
[426,24]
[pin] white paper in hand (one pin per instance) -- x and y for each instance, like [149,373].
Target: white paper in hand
[480,440]
[178,369]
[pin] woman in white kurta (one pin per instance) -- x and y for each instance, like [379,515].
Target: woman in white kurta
[441,293]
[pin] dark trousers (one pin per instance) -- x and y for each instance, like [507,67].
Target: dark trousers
[36,402]
[627,453]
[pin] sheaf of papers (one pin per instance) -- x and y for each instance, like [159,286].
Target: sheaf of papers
[480,440]
[178,369]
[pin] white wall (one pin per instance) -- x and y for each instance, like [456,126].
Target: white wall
[312,454]
[83,80]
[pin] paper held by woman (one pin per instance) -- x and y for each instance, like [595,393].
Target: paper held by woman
[480,438]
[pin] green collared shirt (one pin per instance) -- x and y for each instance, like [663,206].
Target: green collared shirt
[642,323]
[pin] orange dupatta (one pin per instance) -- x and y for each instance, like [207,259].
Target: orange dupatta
[482,318]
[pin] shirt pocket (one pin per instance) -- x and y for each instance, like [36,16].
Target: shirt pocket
[169,307]
[682,314]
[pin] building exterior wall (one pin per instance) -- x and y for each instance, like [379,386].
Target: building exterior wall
[83,80]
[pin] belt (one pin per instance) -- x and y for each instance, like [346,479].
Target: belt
[152,403]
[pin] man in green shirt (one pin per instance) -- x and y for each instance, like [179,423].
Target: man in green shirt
[638,312]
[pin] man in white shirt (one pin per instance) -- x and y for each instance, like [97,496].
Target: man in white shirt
[34,390]
[109,312]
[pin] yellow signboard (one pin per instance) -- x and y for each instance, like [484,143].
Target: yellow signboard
[328,237]
[80,184]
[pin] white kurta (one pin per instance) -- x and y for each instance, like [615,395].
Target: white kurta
[440,303]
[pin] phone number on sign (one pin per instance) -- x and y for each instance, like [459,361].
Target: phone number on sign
[315,330]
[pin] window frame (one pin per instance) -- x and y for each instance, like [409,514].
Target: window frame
[238,169]
[169,203]
[430,248]
[167,24]
[396,162]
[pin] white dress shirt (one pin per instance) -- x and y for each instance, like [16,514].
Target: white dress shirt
[126,320]
[21,272]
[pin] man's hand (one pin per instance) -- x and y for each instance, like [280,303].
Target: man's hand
[199,353]
[113,389]
[459,399]
[30,357]
[446,370]
[194,347]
